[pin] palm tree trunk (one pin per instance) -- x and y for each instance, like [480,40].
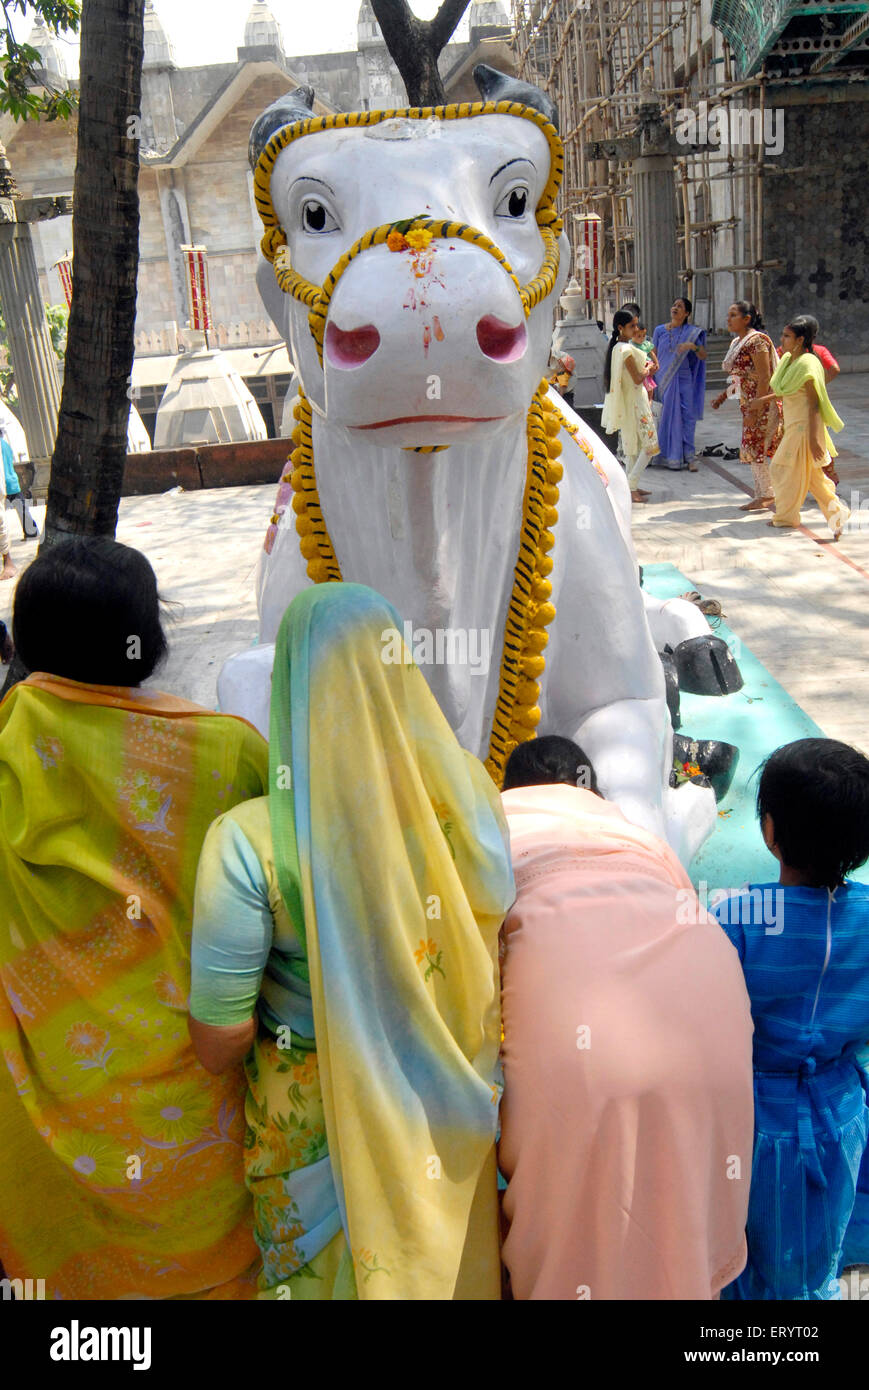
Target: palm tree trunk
[87,467]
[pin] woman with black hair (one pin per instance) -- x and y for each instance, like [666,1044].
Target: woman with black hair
[626,405]
[797,468]
[122,1158]
[750,362]
[804,947]
[681,349]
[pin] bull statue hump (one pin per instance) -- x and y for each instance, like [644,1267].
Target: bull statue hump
[412,264]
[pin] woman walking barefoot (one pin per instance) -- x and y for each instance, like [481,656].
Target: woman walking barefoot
[798,466]
[627,407]
[750,362]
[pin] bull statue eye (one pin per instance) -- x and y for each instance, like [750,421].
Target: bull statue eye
[514,203]
[317,218]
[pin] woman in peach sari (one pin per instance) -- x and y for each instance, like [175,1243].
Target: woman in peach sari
[627,1119]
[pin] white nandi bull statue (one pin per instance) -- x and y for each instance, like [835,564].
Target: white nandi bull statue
[414,259]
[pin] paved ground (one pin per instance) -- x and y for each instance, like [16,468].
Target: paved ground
[799,601]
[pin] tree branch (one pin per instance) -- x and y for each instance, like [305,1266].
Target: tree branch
[445,22]
[414,45]
[397,21]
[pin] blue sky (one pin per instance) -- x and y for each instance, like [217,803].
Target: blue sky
[209,31]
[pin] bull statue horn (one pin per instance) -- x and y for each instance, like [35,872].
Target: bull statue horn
[297,105]
[497,86]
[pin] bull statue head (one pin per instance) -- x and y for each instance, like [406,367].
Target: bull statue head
[413,259]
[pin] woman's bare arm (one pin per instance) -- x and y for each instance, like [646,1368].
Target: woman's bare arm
[220,1047]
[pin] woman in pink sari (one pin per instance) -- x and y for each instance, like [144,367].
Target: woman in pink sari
[627,1119]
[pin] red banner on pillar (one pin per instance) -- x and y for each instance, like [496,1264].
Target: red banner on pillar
[64,270]
[198,298]
[588,255]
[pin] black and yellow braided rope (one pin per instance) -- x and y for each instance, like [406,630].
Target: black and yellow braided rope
[318,297]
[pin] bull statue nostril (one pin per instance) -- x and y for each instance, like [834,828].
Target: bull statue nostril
[346,348]
[501,341]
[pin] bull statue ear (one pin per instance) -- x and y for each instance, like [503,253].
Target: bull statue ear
[497,86]
[297,105]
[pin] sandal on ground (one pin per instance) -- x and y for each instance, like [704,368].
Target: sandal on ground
[638,497]
[692,468]
[757,504]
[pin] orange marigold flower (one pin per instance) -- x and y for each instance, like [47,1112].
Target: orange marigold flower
[396,241]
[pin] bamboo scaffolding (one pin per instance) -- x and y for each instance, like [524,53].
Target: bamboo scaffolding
[590,56]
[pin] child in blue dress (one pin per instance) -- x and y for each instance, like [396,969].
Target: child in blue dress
[804,947]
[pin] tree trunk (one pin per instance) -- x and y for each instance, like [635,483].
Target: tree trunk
[415,45]
[88,463]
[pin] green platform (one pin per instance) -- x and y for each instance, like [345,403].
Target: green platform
[758,718]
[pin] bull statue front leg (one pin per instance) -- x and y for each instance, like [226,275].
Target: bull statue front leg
[607,684]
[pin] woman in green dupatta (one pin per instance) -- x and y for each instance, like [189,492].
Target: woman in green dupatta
[346,927]
[797,466]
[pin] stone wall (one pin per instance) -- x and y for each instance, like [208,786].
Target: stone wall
[816,218]
[334,77]
[350,81]
[216,183]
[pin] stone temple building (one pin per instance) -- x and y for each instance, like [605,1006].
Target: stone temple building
[195,186]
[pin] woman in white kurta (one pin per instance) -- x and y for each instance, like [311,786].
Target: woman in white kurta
[627,407]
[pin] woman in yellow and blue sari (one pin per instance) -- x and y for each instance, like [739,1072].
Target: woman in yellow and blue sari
[345,929]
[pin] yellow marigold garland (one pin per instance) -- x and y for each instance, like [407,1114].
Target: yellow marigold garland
[517,713]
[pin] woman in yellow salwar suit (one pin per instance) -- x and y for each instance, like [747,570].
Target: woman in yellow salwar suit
[797,466]
[121,1157]
[347,927]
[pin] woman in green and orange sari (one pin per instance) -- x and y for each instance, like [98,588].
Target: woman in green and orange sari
[121,1157]
[346,927]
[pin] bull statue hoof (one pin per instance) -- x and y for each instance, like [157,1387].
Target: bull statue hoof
[717,761]
[705,666]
